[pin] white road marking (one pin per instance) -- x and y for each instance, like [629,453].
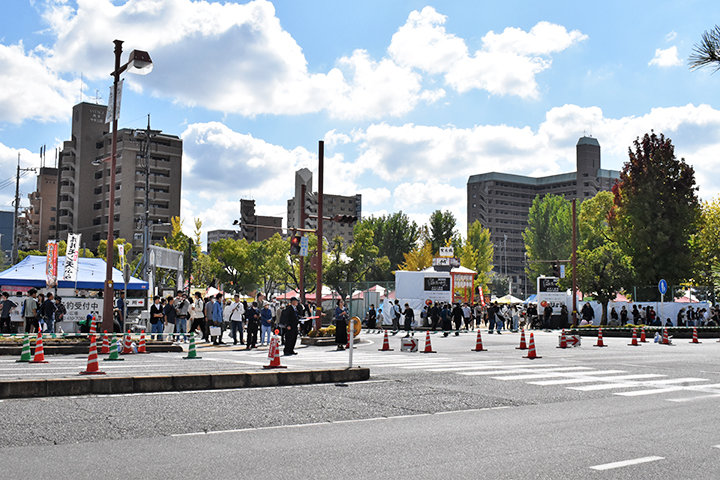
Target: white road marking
[636,393]
[606,386]
[692,399]
[626,463]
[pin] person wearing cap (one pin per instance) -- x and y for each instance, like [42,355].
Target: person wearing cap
[292,319]
[182,309]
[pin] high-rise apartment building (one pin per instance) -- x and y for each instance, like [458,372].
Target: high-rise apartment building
[42,213]
[501,202]
[251,225]
[84,170]
[332,205]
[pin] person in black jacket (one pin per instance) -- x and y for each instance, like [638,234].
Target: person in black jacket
[292,318]
[457,315]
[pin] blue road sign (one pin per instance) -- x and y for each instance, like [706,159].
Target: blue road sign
[662,286]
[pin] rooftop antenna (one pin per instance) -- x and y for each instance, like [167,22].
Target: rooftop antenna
[81,87]
[97,96]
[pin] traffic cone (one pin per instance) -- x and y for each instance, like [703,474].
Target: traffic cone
[127,347]
[93,331]
[25,354]
[105,345]
[39,352]
[386,344]
[532,354]
[478,344]
[563,340]
[523,345]
[92,365]
[428,345]
[114,357]
[642,335]
[192,354]
[665,338]
[141,346]
[274,354]
[634,339]
[695,337]
[600,339]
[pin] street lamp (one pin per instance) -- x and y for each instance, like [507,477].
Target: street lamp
[139,62]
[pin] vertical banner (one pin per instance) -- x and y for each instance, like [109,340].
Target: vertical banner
[121,254]
[71,257]
[482,297]
[51,262]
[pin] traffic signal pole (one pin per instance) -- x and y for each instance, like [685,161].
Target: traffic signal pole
[574,263]
[301,282]
[318,288]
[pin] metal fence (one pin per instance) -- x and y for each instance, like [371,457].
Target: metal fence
[364,294]
[651,293]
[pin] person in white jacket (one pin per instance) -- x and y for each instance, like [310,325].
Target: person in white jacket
[234,313]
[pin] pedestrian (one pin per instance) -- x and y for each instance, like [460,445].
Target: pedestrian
[467,316]
[6,307]
[435,315]
[492,318]
[623,316]
[341,317]
[547,315]
[409,319]
[170,318]
[197,315]
[396,318]
[446,319]
[182,310]
[237,313]
[49,313]
[563,316]
[157,318]
[292,318]
[372,318]
[217,317]
[266,317]
[253,322]
[39,314]
[29,311]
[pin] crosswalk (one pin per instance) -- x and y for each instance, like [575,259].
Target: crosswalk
[570,376]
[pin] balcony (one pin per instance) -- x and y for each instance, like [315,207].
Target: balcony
[159,196]
[67,174]
[69,159]
[67,205]
[67,190]
[66,220]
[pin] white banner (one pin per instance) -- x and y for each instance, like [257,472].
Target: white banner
[109,112]
[71,257]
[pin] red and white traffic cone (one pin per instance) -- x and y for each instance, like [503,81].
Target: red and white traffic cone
[428,345]
[478,344]
[274,354]
[523,345]
[532,354]
[39,352]
[127,347]
[695,337]
[634,339]
[93,330]
[563,340]
[92,365]
[141,345]
[105,345]
[642,335]
[600,339]
[386,344]
[665,338]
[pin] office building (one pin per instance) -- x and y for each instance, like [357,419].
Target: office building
[251,225]
[502,201]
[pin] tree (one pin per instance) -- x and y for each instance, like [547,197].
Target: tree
[177,240]
[706,244]
[394,235]
[548,235]
[102,250]
[271,258]
[442,229]
[603,269]
[418,259]
[291,270]
[477,254]
[707,52]
[237,271]
[655,211]
[352,266]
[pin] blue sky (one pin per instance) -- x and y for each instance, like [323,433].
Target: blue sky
[410,97]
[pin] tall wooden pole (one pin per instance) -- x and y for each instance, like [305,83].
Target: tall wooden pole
[318,287]
[301,269]
[574,263]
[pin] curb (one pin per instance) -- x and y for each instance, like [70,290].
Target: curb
[176,383]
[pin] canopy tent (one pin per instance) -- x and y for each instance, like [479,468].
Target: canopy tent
[509,299]
[327,294]
[90,276]
[531,299]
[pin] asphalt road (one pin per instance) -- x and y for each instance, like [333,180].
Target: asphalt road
[586,412]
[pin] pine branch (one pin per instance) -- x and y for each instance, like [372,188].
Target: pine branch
[707,52]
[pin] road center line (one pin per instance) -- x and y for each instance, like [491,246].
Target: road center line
[625,463]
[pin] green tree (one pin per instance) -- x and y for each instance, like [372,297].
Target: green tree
[603,269]
[353,265]
[271,258]
[291,275]
[707,52]
[656,211]
[394,235]
[237,270]
[706,244]
[442,230]
[477,254]
[548,235]
[102,250]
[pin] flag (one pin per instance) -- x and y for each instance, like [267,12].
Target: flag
[482,297]
[121,254]
[51,262]
[71,257]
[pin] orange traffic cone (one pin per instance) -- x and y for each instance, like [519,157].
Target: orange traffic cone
[695,337]
[141,346]
[531,353]
[665,338]
[642,335]
[523,345]
[39,352]
[92,365]
[127,347]
[428,345]
[478,344]
[105,345]
[274,354]
[634,339]
[386,344]
[93,330]
[600,339]
[563,340]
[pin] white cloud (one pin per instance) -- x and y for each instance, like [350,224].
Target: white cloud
[374,196]
[671,36]
[506,64]
[666,58]
[8,164]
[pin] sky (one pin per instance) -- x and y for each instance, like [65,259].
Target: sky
[410,97]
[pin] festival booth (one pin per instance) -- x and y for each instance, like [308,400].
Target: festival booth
[90,278]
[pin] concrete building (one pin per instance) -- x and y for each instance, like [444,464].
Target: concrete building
[85,181]
[217,235]
[6,230]
[332,205]
[42,213]
[248,218]
[501,202]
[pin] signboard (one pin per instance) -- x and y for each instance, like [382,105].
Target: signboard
[71,257]
[77,309]
[571,340]
[409,344]
[562,271]
[662,286]
[51,263]
[447,251]
[135,302]
[549,293]
[121,254]
[109,111]
[437,284]
[304,246]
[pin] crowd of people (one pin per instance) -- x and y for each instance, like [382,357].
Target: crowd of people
[39,312]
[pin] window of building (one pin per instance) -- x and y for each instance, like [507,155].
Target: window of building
[97,206]
[96,237]
[98,175]
[97,220]
[52,209]
[97,191]
[117,218]
[118,186]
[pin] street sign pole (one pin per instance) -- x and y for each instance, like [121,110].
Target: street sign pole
[662,286]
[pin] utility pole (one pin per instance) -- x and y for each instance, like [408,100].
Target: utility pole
[15,246]
[320,199]
[145,153]
[301,268]
[574,263]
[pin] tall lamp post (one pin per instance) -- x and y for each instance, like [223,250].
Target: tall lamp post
[140,63]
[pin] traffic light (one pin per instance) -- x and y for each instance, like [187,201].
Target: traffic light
[345,218]
[556,269]
[295,245]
